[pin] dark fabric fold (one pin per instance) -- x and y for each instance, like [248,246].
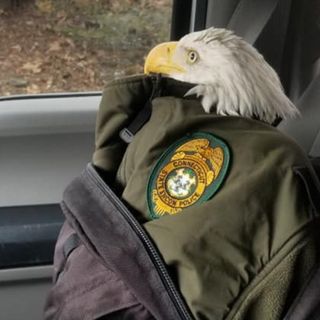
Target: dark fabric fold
[106,233]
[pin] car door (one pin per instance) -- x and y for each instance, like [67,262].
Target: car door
[55,60]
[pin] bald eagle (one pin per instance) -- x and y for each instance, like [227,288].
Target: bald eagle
[229,74]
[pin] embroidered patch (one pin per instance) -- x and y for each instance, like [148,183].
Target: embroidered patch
[189,172]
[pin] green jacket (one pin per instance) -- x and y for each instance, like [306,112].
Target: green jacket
[242,251]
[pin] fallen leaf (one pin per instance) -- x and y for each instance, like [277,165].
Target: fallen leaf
[35,46]
[70,42]
[67,57]
[33,67]
[49,83]
[81,56]
[17,47]
[91,74]
[81,64]
[33,89]
[54,46]
[61,15]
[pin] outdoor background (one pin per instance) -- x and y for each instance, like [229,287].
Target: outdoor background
[76,45]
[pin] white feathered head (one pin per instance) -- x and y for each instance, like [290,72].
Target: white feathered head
[230,75]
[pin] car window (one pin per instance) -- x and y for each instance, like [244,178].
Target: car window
[76,45]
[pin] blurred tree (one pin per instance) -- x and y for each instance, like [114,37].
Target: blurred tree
[13,4]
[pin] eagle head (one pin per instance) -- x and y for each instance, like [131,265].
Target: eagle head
[229,74]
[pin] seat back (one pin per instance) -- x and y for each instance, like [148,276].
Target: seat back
[306,129]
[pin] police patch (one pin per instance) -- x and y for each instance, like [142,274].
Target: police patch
[189,172]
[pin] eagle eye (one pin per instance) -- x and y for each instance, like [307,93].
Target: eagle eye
[192,56]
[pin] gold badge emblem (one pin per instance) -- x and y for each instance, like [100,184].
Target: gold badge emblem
[189,172]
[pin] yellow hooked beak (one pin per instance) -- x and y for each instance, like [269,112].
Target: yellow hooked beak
[159,59]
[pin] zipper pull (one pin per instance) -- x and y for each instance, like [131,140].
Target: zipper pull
[127,134]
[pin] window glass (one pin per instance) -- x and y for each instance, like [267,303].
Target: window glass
[76,45]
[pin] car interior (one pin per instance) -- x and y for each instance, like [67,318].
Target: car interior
[46,140]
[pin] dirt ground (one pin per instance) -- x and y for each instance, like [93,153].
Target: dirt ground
[79,45]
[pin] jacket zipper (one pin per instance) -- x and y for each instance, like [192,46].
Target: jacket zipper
[157,260]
